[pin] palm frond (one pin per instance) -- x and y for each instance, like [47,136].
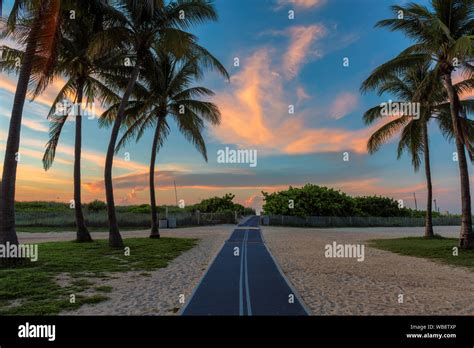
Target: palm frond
[385,133]
[395,66]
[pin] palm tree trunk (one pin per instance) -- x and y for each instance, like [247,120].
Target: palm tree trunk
[7,196]
[155,232]
[429,185]
[115,239]
[83,234]
[466,239]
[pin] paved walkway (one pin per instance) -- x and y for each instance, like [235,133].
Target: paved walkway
[244,279]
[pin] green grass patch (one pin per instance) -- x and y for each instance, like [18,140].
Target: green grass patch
[103,288]
[437,249]
[32,289]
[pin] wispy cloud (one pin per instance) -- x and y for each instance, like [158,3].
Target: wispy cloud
[37,125]
[343,105]
[89,157]
[302,94]
[49,95]
[306,4]
[323,140]
[301,48]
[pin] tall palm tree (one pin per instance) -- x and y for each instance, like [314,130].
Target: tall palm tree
[165,90]
[443,36]
[144,24]
[415,85]
[39,39]
[84,82]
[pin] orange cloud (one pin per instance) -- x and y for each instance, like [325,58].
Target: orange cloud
[344,104]
[301,94]
[330,140]
[46,98]
[302,40]
[243,113]
[255,114]
[255,201]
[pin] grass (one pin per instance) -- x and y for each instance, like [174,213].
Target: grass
[438,249]
[41,229]
[103,288]
[33,289]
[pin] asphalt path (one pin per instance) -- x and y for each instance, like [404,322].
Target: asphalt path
[244,279]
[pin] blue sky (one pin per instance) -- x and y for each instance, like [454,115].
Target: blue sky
[282,62]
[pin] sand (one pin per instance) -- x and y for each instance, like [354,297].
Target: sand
[328,286]
[156,292]
[341,286]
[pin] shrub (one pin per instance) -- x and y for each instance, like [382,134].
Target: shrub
[223,204]
[310,200]
[380,206]
[313,200]
[96,206]
[139,209]
[41,206]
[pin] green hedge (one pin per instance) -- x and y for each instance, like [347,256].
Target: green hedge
[313,200]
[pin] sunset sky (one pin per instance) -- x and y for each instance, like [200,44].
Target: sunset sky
[282,62]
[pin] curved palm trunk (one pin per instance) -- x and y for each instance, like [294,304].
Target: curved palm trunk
[115,239]
[82,234]
[155,232]
[466,239]
[429,185]
[7,196]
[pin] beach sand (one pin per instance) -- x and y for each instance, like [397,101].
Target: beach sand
[158,292]
[328,286]
[341,286]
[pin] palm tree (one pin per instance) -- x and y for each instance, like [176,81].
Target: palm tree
[165,90]
[415,85]
[144,23]
[83,71]
[443,36]
[39,38]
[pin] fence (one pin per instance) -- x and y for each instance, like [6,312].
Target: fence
[203,219]
[328,221]
[67,219]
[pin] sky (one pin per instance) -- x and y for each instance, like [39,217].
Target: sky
[282,62]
